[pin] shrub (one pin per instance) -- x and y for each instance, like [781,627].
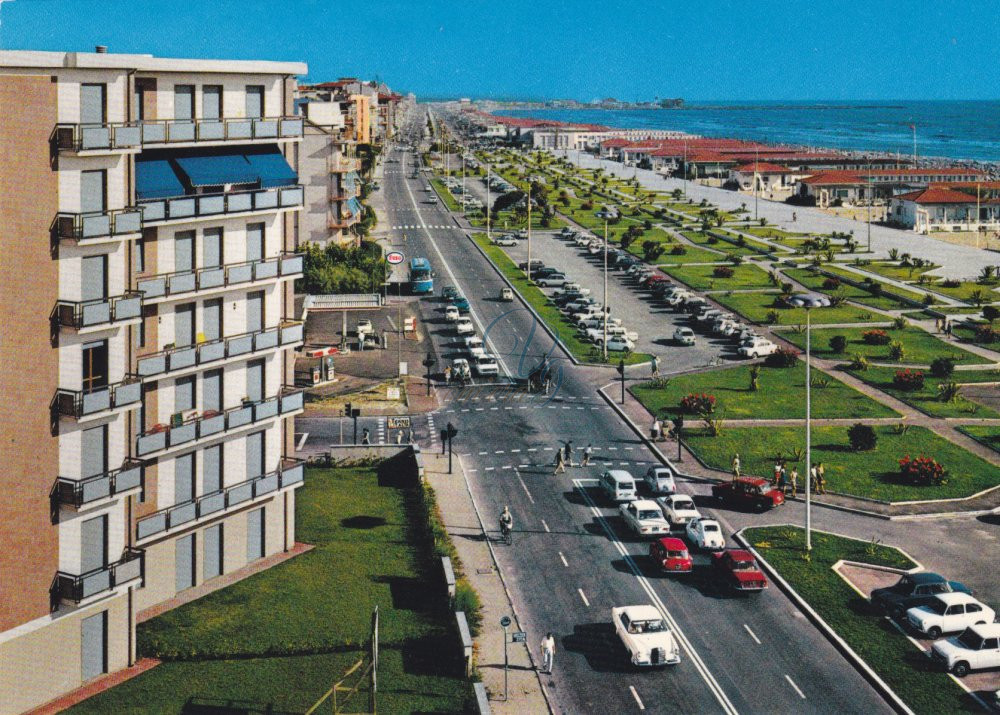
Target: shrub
[831,283]
[951,283]
[942,367]
[949,391]
[928,298]
[987,334]
[862,437]
[875,337]
[896,351]
[875,288]
[772,317]
[838,344]
[782,357]
[678,250]
[722,272]
[909,380]
[698,403]
[991,313]
[466,599]
[711,239]
[921,471]
[899,323]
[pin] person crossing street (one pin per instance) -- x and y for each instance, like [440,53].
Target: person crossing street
[560,462]
[588,452]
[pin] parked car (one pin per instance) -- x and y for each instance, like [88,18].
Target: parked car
[535,265]
[707,315]
[451,313]
[571,288]
[551,280]
[949,613]
[678,508]
[721,325]
[646,636]
[671,555]
[978,647]
[506,295]
[464,326]
[693,304]
[684,336]
[705,534]
[912,590]
[474,346]
[757,347]
[365,327]
[460,302]
[620,344]
[618,485]
[450,293]
[460,369]
[751,493]
[644,518]
[544,271]
[506,241]
[660,480]
[738,569]
[486,364]
[597,322]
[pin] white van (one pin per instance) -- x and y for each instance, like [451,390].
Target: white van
[618,485]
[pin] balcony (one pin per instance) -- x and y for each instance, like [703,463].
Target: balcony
[128,570]
[100,227]
[289,474]
[100,401]
[194,207]
[220,278]
[209,353]
[342,223]
[99,314]
[344,164]
[130,136]
[79,493]
[164,438]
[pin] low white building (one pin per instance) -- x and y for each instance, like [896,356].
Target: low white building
[943,208]
[768,176]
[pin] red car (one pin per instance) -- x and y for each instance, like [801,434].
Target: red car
[653,280]
[671,554]
[738,569]
[749,493]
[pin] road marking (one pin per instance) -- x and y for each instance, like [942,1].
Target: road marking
[796,687]
[585,601]
[524,486]
[752,634]
[490,469]
[546,527]
[565,562]
[499,451]
[636,696]
[515,451]
[484,452]
[532,449]
[302,442]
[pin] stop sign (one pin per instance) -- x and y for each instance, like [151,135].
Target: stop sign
[394,257]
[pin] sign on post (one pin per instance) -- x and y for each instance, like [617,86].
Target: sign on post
[398,422]
[394,258]
[518,637]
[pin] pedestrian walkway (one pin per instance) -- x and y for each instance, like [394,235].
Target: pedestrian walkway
[525,690]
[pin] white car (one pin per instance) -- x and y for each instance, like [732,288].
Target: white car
[646,636]
[721,325]
[506,241]
[949,613]
[460,368]
[705,534]
[551,280]
[678,297]
[486,364]
[464,326]
[678,508]
[644,518]
[660,480]
[474,346]
[757,347]
[451,313]
[619,344]
[684,336]
[710,315]
[978,647]
[596,322]
[365,327]
[573,289]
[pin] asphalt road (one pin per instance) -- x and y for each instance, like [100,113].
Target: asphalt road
[570,563]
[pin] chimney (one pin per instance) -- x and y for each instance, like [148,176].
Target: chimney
[101,49]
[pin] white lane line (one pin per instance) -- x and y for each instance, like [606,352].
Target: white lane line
[472,470]
[585,601]
[752,634]
[499,451]
[532,449]
[796,687]
[546,527]
[699,664]
[302,442]
[563,559]
[524,486]
[506,466]
[484,452]
[635,695]
[515,451]
[490,469]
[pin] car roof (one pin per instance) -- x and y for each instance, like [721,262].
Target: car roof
[646,504]
[926,577]
[954,597]
[984,630]
[619,474]
[754,481]
[673,543]
[740,554]
[642,613]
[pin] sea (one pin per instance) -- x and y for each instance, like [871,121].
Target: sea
[957,130]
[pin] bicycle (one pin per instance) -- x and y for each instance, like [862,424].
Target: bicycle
[506,534]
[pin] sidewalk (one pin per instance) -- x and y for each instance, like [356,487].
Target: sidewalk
[463,525]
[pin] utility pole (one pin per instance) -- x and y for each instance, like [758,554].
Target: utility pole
[528,199]
[464,204]
[604,312]
[756,165]
[871,200]
[685,169]
[489,236]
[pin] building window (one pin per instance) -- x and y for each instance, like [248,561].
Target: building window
[211,101]
[255,101]
[183,101]
[255,534]
[213,543]
[94,646]
[95,365]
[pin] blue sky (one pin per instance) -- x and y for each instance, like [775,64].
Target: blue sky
[709,49]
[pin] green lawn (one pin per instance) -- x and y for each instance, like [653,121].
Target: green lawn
[895,271]
[852,275]
[926,400]
[781,395]
[702,278]
[814,282]
[770,232]
[445,195]
[867,474]
[965,289]
[703,239]
[986,434]
[295,628]
[756,306]
[566,331]
[692,254]
[887,651]
[919,346]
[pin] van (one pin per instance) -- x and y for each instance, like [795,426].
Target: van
[618,485]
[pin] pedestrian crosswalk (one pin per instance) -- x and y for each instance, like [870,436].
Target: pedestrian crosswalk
[411,227]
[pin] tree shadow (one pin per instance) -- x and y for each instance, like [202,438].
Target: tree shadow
[397,472]
[363,521]
[410,593]
[433,654]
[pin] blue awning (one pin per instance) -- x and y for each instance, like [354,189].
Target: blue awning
[217,169]
[354,206]
[156,179]
[272,169]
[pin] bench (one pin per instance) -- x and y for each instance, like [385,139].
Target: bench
[466,636]
[449,577]
[482,699]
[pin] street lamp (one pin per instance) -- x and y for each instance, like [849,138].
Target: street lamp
[809,301]
[428,363]
[605,214]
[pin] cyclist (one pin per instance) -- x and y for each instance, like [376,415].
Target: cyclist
[506,523]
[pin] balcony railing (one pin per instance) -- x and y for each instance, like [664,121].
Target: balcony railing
[72,587]
[80,492]
[347,164]
[99,400]
[288,474]
[338,223]
[130,135]
[97,225]
[212,424]
[205,353]
[166,284]
[192,207]
[94,313]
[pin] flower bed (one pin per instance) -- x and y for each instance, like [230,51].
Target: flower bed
[875,337]
[909,380]
[921,470]
[698,403]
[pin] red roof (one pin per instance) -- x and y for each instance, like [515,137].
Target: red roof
[937,194]
[856,176]
[611,143]
[763,168]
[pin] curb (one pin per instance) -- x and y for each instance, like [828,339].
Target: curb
[839,643]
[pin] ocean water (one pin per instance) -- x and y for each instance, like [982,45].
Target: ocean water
[968,130]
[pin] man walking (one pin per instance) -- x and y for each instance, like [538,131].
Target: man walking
[794,477]
[588,451]
[569,453]
[820,479]
[366,437]
[548,652]
[560,462]
[655,366]
[777,474]
[736,467]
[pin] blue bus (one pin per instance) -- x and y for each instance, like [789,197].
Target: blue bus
[421,278]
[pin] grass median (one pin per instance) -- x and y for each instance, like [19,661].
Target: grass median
[757,308]
[929,399]
[279,639]
[548,312]
[707,278]
[988,435]
[887,651]
[919,346]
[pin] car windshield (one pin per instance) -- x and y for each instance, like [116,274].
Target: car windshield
[710,527]
[936,606]
[647,626]
[970,639]
[649,514]
[744,566]
[684,504]
[677,554]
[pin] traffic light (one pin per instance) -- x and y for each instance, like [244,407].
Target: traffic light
[621,367]
[450,429]
[347,409]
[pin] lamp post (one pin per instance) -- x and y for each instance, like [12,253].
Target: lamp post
[809,301]
[463,181]
[428,363]
[489,236]
[604,213]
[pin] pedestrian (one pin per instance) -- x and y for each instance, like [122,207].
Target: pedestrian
[937,325]
[560,462]
[777,474]
[736,467]
[588,451]
[947,329]
[814,479]
[794,217]
[569,453]
[366,436]
[820,479]
[548,652]
[782,478]
[447,375]
[655,366]
[399,436]
[794,479]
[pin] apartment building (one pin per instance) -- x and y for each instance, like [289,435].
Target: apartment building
[149,224]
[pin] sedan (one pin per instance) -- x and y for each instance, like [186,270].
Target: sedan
[620,344]
[644,518]
[451,313]
[449,293]
[678,508]
[463,325]
[474,346]
[684,336]
[705,534]
[486,364]
[949,613]
[647,638]
[660,480]
[506,241]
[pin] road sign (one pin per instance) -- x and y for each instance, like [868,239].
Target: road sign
[394,258]
[505,621]
[518,637]
[398,422]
